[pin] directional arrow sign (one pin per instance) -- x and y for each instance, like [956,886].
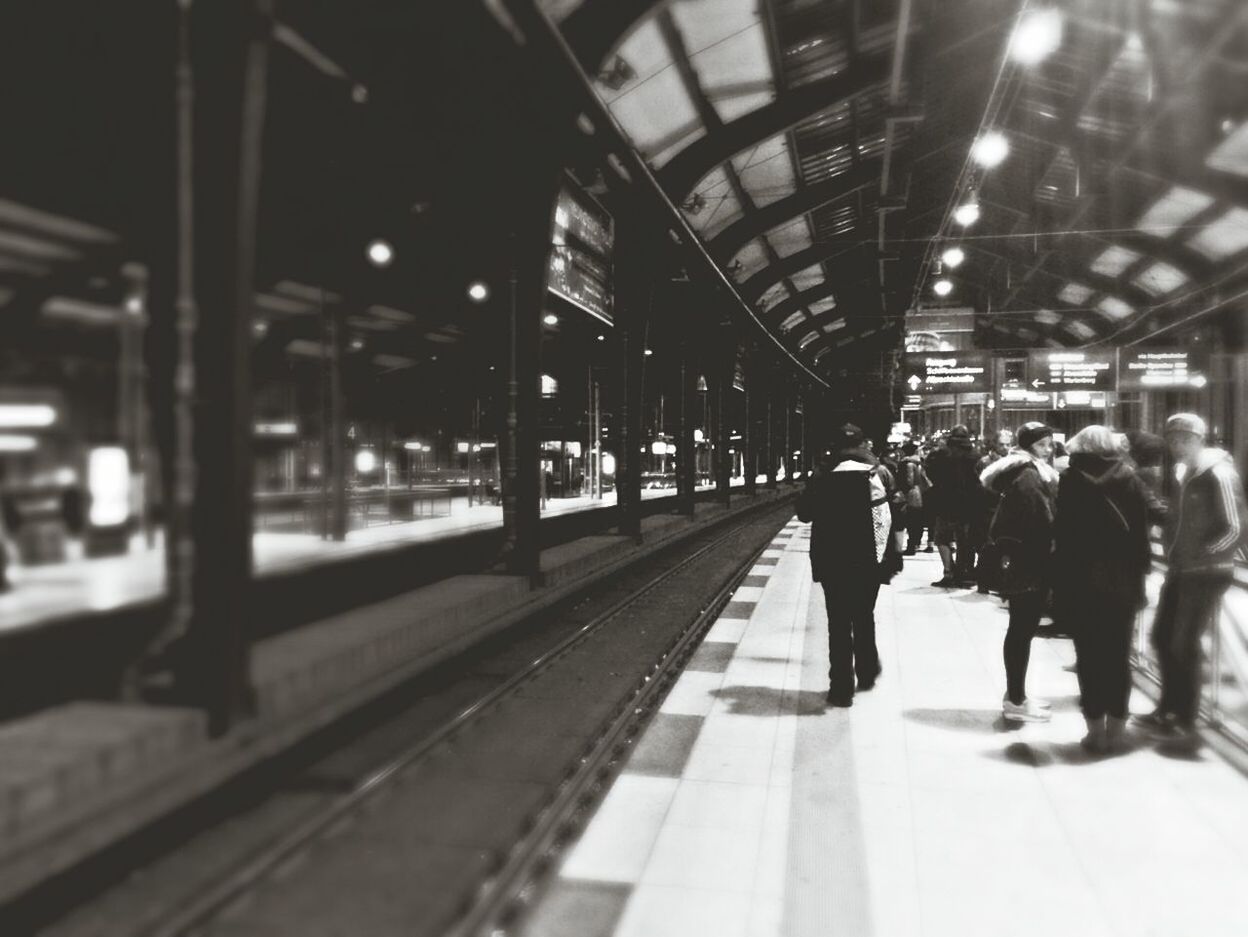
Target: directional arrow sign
[947,372]
[914,382]
[1037,383]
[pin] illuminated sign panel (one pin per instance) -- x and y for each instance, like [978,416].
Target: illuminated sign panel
[946,372]
[1087,370]
[580,259]
[1161,369]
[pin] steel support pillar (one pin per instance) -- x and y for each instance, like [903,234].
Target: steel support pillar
[228,44]
[688,405]
[749,455]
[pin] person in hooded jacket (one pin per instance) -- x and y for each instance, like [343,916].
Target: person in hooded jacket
[847,504]
[1205,533]
[953,500]
[1101,556]
[1022,535]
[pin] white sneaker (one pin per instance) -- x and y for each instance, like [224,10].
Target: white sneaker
[1028,711]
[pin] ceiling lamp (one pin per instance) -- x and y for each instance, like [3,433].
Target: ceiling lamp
[991,149]
[550,319]
[478,292]
[380,253]
[953,257]
[942,287]
[1037,36]
[967,214]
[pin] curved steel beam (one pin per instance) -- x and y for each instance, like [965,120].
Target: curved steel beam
[687,167]
[596,28]
[724,246]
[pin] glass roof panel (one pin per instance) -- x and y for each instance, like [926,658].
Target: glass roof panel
[1114,307]
[1080,329]
[809,337]
[1160,278]
[1047,317]
[1113,260]
[805,279]
[751,259]
[1231,155]
[655,111]
[790,237]
[776,293]
[834,326]
[792,321]
[766,171]
[1076,294]
[646,54]
[1223,237]
[821,306]
[1174,209]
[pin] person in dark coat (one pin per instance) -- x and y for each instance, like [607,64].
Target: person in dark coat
[846,503]
[1022,534]
[1101,556]
[1205,534]
[952,503]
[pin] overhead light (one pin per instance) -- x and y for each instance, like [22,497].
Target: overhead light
[991,149]
[26,415]
[1037,36]
[365,461]
[953,257]
[942,287]
[649,352]
[380,253]
[967,214]
[357,344]
[550,319]
[602,338]
[14,443]
[478,292]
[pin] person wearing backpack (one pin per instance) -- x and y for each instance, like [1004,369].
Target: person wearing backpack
[1022,536]
[1100,559]
[1205,533]
[846,502]
[913,483]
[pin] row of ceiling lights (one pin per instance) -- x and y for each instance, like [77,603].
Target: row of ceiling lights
[1037,35]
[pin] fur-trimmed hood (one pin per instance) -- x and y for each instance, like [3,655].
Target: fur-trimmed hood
[1000,474]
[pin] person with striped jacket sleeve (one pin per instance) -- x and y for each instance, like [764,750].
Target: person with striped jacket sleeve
[1205,532]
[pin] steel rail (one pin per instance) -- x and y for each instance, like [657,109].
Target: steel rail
[213,899]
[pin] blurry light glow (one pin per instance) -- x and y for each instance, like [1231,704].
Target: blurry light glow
[26,415]
[1037,36]
[365,461]
[602,338]
[608,464]
[478,292]
[380,253]
[108,482]
[698,436]
[942,287]
[953,257]
[991,149]
[550,319]
[658,447]
[134,305]
[967,214]
[649,352]
[357,344]
[14,443]
[461,447]
[550,386]
[413,446]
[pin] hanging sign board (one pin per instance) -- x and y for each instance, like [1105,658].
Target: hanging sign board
[1161,369]
[1092,369]
[583,241]
[946,372]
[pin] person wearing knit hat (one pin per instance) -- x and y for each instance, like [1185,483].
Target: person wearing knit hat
[952,503]
[1022,544]
[1207,533]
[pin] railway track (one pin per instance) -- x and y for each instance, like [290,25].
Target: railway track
[478,783]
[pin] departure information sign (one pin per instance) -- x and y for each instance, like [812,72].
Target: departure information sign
[1093,369]
[580,261]
[946,372]
[1161,369]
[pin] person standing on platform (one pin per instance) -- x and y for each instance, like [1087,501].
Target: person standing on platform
[1204,534]
[1100,558]
[846,503]
[1022,535]
[988,501]
[912,480]
[953,501]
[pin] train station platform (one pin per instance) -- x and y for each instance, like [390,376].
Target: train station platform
[81,584]
[750,808]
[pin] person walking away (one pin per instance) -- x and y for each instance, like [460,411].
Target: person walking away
[952,501]
[1022,534]
[846,503]
[913,483]
[1204,534]
[1100,559]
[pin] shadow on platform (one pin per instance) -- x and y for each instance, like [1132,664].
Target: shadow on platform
[769,701]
